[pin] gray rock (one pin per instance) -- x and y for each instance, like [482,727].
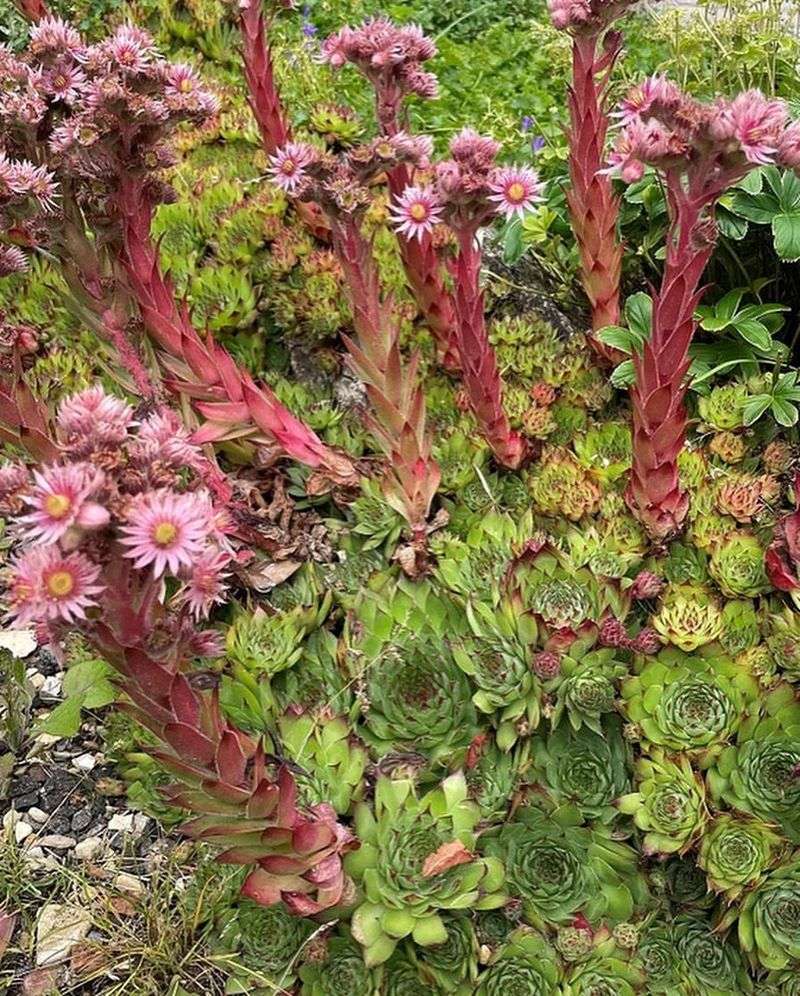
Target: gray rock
[58,929]
[57,842]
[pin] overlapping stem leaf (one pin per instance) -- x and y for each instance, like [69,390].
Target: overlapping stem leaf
[594,208]
[233,403]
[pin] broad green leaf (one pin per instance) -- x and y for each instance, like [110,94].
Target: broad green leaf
[760,208]
[89,680]
[639,314]
[728,305]
[786,235]
[785,412]
[789,192]
[624,375]
[755,333]
[755,407]
[732,226]
[65,719]
[620,338]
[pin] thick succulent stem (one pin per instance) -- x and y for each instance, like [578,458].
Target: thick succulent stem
[394,390]
[265,100]
[239,801]
[594,208]
[479,367]
[84,274]
[422,263]
[659,416]
[424,271]
[223,393]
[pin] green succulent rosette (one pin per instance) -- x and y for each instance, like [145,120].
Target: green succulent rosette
[493,928]
[416,697]
[526,965]
[658,960]
[786,983]
[558,868]
[709,963]
[603,976]
[318,682]
[453,965]
[584,769]
[494,777]
[769,919]
[689,703]
[496,657]
[737,565]
[474,567]
[688,617]
[565,601]
[400,976]
[783,640]
[758,775]
[340,969]
[416,861]
[741,628]
[269,944]
[333,762]
[587,687]
[685,885]
[736,852]
[669,805]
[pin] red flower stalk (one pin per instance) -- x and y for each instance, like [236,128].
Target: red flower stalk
[264,97]
[478,363]
[391,58]
[234,405]
[34,10]
[469,190]
[699,150]
[341,186]
[593,206]
[242,802]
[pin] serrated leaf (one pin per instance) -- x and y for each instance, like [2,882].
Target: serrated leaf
[786,236]
[623,375]
[760,208]
[785,412]
[620,338]
[755,407]
[755,333]
[639,314]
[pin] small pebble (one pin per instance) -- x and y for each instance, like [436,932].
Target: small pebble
[128,883]
[22,831]
[37,679]
[122,822]
[84,762]
[52,686]
[11,819]
[89,849]
[38,815]
[57,842]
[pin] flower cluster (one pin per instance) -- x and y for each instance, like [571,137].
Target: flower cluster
[26,191]
[585,16]
[340,183]
[666,128]
[102,105]
[120,497]
[468,190]
[387,54]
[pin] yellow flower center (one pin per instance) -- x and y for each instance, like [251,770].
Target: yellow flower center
[186,85]
[60,584]
[165,533]
[516,192]
[418,211]
[57,506]
[288,166]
